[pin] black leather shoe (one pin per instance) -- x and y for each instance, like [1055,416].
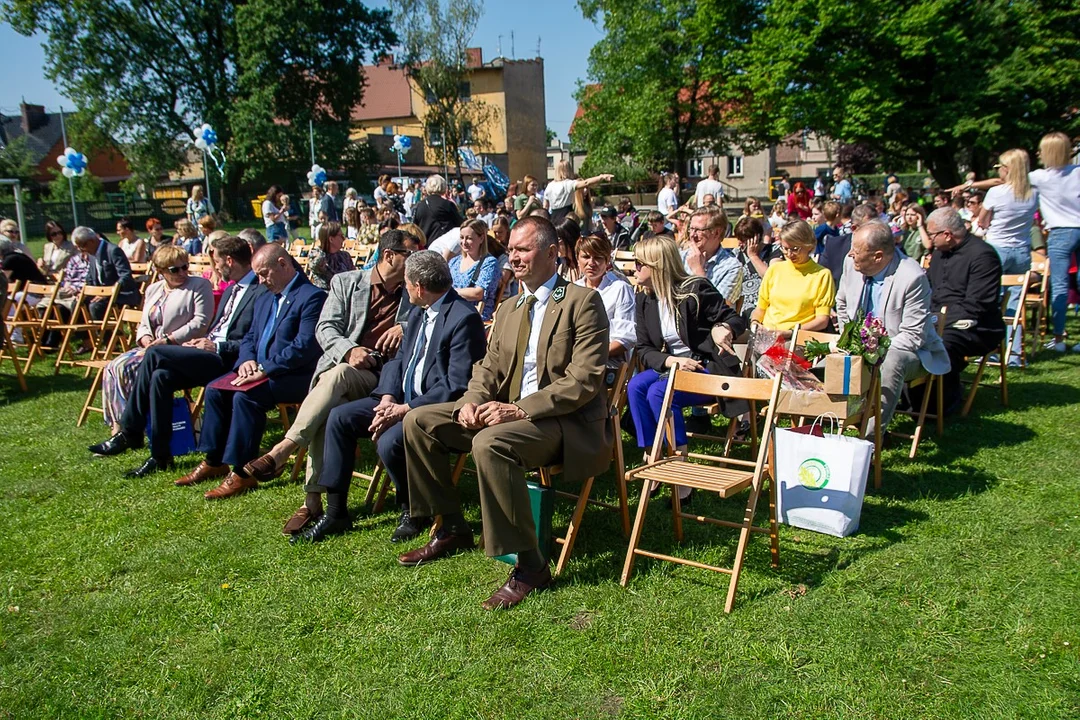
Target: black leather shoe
[409,527]
[324,528]
[699,424]
[150,466]
[115,445]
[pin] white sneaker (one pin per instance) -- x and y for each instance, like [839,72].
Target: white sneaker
[1015,362]
[1057,346]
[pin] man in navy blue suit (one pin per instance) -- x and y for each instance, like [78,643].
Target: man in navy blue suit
[280,353]
[445,337]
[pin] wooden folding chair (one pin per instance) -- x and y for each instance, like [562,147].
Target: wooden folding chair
[7,349]
[931,385]
[286,423]
[723,475]
[82,322]
[25,317]
[1015,323]
[128,322]
[1037,302]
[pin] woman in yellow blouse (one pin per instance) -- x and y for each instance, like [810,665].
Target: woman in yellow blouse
[798,291]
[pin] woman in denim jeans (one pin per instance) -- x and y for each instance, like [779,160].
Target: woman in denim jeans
[1007,214]
[1058,187]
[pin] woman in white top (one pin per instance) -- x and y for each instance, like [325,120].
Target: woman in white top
[1058,187]
[133,246]
[1007,214]
[594,263]
[197,205]
[559,194]
[274,216]
[57,252]
[667,200]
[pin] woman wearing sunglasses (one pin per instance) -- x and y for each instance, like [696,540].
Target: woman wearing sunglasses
[177,308]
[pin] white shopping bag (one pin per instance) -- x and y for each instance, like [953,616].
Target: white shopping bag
[821,480]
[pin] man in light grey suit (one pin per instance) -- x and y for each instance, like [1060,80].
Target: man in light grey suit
[357,331]
[882,280]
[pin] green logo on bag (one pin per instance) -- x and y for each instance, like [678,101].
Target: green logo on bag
[813,473]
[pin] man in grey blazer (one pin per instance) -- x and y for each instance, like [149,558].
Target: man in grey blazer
[355,331]
[882,280]
[108,266]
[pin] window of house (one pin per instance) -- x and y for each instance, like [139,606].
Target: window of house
[388,130]
[551,161]
[694,167]
[735,166]
[466,135]
[465,91]
[435,137]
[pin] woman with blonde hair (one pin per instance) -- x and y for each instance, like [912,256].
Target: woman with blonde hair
[1057,185]
[177,309]
[682,320]
[327,258]
[559,193]
[187,237]
[476,271]
[197,205]
[798,291]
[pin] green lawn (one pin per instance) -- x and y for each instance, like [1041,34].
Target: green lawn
[958,597]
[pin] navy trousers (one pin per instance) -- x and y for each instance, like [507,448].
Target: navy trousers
[344,428]
[234,422]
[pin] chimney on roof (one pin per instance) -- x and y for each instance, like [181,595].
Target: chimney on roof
[33,117]
[474,57]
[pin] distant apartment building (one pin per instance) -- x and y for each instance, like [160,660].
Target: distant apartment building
[516,134]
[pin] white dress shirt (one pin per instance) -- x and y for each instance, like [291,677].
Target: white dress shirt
[670,330]
[222,330]
[430,315]
[529,376]
[618,297]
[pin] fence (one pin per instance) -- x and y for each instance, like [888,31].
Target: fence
[99,214]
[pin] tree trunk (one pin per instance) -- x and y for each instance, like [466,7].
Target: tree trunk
[942,165]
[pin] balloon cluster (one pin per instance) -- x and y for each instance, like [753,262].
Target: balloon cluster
[206,140]
[401,145]
[73,163]
[316,176]
[205,137]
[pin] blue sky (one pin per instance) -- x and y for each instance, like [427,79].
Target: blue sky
[565,41]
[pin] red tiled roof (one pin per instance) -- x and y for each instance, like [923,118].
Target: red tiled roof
[386,94]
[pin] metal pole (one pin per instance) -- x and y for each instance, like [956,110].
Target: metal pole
[206,176]
[311,138]
[71,182]
[398,164]
[19,212]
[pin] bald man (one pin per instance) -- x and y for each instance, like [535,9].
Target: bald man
[277,360]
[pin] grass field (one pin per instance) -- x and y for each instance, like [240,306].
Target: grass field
[958,597]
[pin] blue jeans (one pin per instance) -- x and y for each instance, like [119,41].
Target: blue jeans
[1060,246]
[1014,261]
[645,395]
[276,232]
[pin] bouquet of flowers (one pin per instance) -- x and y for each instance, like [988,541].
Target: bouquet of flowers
[865,337]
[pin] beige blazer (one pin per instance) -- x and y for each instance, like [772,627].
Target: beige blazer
[186,312]
[572,353]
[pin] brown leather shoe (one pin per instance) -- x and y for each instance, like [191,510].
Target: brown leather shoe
[440,546]
[205,471]
[520,583]
[233,485]
[263,468]
[300,520]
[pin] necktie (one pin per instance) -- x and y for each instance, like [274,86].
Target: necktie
[868,294]
[268,331]
[417,356]
[226,314]
[524,329]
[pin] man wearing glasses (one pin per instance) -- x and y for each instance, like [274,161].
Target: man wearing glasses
[10,229]
[357,334]
[965,277]
[705,257]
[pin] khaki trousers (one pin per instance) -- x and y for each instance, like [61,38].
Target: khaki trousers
[340,384]
[502,455]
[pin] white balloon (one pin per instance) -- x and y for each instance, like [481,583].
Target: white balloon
[68,172]
[69,151]
[62,160]
[200,143]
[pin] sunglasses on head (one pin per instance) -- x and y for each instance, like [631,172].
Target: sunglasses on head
[174,269]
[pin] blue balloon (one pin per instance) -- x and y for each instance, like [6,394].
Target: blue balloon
[77,162]
[405,142]
[210,137]
[320,178]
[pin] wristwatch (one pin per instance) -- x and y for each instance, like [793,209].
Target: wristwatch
[260,368]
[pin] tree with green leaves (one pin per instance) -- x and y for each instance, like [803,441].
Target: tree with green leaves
[947,82]
[146,71]
[655,79]
[435,35]
[17,161]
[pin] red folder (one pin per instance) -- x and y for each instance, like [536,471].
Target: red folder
[225,383]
